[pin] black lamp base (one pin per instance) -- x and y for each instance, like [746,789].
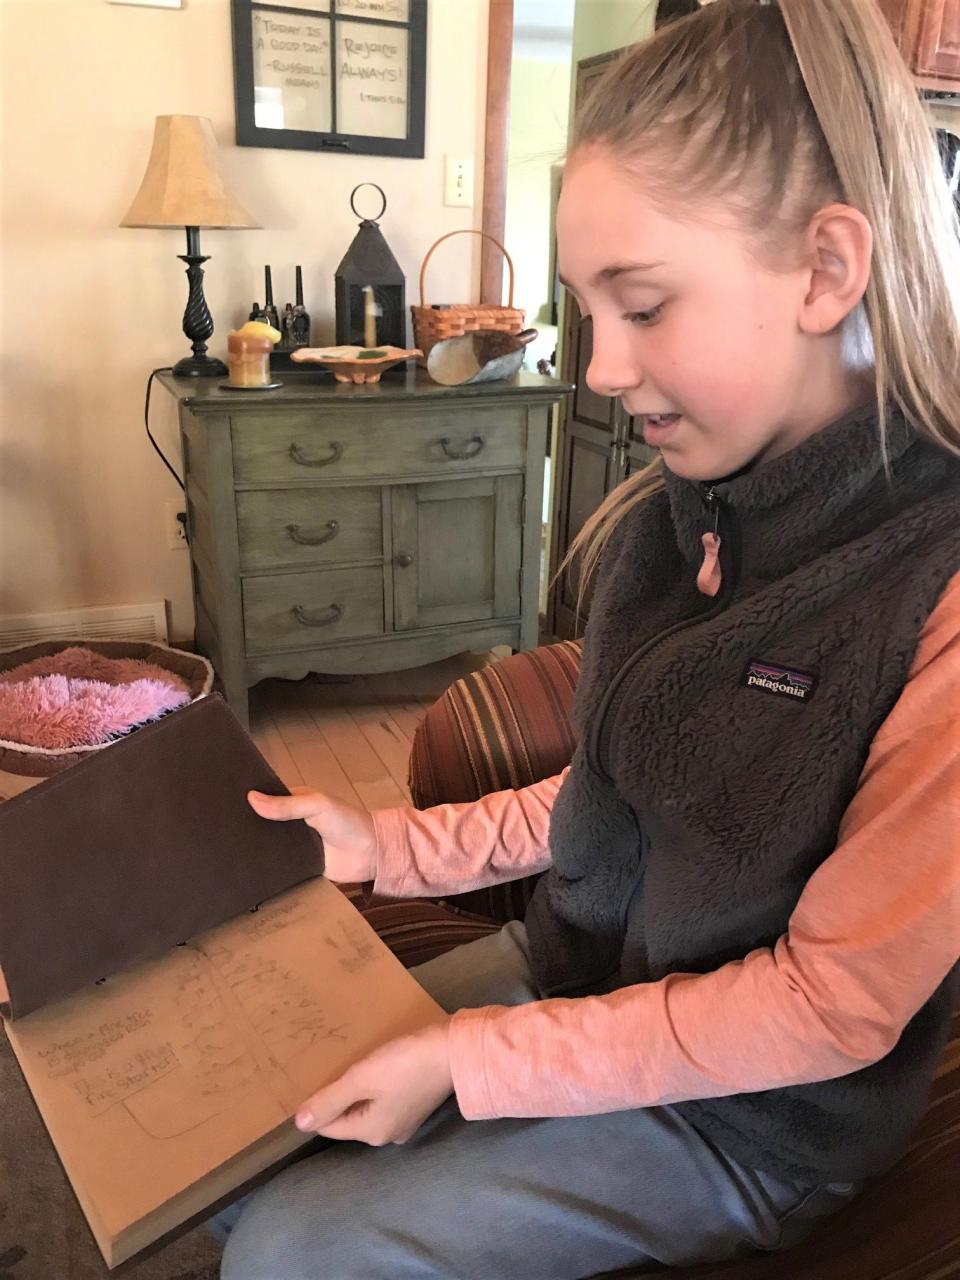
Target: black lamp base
[197,322]
[200,367]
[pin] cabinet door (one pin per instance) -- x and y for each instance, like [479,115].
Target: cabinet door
[636,454]
[586,479]
[456,551]
[587,466]
[588,443]
[900,14]
[928,33]
[938,47]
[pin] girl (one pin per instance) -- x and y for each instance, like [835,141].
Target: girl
[722,1011]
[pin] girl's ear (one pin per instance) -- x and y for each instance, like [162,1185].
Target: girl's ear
[838,250]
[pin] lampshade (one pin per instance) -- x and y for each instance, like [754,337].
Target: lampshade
[183,185]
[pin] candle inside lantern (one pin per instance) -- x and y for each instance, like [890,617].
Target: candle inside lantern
[370,313]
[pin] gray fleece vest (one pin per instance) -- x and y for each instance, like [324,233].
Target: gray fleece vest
[722,739]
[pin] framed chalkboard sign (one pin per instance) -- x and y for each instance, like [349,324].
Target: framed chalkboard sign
[331,75]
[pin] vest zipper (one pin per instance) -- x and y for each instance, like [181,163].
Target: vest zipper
[722,521]
[713,502]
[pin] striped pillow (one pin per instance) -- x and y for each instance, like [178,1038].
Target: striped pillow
[505,726]
[416,930]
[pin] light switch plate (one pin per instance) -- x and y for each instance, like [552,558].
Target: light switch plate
[458,181]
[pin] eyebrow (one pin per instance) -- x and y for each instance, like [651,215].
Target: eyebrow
[616,269]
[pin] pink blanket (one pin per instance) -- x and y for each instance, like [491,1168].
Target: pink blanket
[78,698]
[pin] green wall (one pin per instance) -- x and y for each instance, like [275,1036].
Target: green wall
[539,97]
[601,25]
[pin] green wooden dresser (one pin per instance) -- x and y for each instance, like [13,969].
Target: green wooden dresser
[344,529]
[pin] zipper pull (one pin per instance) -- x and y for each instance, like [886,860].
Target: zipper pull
[710,577]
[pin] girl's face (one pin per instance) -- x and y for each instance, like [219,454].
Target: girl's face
[695,334]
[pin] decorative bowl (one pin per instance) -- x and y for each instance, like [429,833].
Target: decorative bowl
[485,356]
[354,364]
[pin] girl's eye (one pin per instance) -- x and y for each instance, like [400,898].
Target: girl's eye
[646,318]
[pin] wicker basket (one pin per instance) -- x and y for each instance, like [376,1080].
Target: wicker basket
[434,324]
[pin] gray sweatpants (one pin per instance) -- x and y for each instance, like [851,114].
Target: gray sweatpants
[548,1199]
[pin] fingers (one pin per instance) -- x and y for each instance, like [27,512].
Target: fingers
[359,1125]
[360,1122]
[306,804]
[329,1105]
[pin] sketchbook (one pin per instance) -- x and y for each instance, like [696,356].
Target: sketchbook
[179,976]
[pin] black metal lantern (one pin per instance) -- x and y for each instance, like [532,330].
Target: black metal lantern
[369,261]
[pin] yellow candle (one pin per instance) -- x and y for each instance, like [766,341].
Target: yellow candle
[369,317]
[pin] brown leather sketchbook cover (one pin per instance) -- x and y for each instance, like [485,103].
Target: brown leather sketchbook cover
[136,849]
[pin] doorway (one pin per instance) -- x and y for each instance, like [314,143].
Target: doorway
[540,71]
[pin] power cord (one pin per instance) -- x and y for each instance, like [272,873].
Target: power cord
[146,423]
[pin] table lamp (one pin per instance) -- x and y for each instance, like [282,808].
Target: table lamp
[183,187]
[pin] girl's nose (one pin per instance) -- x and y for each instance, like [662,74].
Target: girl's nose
[613,367]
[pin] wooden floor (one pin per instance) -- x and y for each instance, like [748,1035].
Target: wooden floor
[351,739]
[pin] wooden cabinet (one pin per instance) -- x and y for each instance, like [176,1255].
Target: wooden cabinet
[598,444]
[928,33]
[339,528]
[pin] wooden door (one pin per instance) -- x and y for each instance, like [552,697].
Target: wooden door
[456,551]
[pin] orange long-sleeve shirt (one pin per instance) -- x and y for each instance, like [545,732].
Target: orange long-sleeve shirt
[874,932]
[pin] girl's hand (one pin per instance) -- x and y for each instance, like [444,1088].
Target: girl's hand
[349,837]
[386,1096]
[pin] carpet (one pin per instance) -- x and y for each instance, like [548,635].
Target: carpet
[43,1234]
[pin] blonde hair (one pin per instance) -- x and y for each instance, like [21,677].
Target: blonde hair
[780,109]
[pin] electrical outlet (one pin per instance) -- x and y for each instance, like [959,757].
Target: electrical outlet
[176,525]
[458,181]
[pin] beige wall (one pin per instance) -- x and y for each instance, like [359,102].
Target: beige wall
[946,114]
[89,309]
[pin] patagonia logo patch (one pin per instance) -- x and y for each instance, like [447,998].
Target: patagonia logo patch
[784,682]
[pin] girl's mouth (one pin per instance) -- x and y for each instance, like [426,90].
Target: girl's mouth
[658,426]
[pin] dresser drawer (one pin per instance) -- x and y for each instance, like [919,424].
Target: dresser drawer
[280,528]
[307,447]
[302,610]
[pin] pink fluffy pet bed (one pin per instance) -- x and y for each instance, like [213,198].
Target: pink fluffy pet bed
[61,704]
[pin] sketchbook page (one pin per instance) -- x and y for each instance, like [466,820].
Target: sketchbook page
[152,1080]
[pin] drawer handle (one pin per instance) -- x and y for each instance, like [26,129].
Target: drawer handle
[333,613]
[474,446]
[404,559]
[297,454]
[333,528]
